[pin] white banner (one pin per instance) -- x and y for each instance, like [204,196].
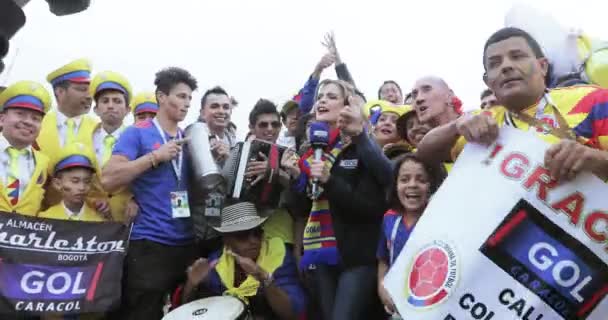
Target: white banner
[501,240]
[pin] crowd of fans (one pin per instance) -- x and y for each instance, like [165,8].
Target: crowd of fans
[316,255]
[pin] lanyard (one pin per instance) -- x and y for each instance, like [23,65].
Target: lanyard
[563,131]
[393,237]
[175,163]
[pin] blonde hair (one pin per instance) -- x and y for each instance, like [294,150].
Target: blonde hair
[346,88]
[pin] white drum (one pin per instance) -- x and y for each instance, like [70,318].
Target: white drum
[213,308]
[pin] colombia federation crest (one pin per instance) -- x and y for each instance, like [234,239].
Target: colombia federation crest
[432,275]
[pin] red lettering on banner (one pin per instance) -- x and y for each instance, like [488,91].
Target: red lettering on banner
[590,226]
[514,166]
[572,205]
[540,177]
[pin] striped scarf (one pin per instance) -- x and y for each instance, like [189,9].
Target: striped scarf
[320,246]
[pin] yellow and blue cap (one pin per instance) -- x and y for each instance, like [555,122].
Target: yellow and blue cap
[144,102]
[27,95]
[398,110]
[74,155]
[373,109]
[77,71]
[110,80]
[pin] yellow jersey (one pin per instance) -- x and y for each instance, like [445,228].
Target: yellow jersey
[585,109]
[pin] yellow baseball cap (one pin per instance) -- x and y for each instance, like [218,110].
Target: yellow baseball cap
[373,109]
[26,94]
[110,80]
[144,102]
[374,106]
[74,155]
[399,110]
[78,71]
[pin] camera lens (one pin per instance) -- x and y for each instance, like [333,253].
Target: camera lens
[12,19]
[66,7]
[4,45]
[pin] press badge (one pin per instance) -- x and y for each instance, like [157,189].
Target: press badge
[179,205]
[213,204]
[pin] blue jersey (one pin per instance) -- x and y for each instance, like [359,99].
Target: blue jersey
[152,189]
[391,239]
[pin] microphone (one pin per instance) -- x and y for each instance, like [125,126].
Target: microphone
[319,138]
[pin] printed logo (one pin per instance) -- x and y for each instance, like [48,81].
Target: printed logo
[349,164]
[549,123]
[36,282]
[432,276]
[552,264]
[199,312]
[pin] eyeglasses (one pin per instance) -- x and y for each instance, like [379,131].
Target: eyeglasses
[246,234]
[266,124]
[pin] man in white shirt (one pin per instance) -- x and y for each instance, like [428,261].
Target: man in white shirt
[112,95]
[69,122]
[23,171]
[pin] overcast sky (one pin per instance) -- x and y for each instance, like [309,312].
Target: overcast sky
[267,48]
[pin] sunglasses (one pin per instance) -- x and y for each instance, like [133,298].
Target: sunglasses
[266,124]
[246,234]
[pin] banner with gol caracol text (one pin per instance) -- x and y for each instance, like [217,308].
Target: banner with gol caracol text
[500,240]
[56,266]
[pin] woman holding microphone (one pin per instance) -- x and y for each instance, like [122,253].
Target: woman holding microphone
[344,214]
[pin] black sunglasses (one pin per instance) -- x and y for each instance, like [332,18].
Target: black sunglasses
[266,124]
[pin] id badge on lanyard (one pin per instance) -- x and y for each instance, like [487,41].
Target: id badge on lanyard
[179,198]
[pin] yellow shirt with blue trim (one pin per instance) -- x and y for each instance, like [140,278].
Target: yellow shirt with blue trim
[51,139]
[118,200]
[53,132]
[585,109]
[30,199]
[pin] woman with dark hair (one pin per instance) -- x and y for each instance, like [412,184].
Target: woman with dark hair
[342,220]
[414,182]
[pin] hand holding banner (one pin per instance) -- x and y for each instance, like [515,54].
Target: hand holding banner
[517,246]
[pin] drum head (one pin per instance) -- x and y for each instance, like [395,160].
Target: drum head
[213,308]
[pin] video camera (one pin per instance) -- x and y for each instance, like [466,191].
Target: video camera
[12,18]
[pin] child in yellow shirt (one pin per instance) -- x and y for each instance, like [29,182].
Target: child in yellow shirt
[73,171]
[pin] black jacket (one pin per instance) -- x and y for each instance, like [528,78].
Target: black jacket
[357,202]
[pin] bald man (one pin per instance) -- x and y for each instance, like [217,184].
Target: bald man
[432,100]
